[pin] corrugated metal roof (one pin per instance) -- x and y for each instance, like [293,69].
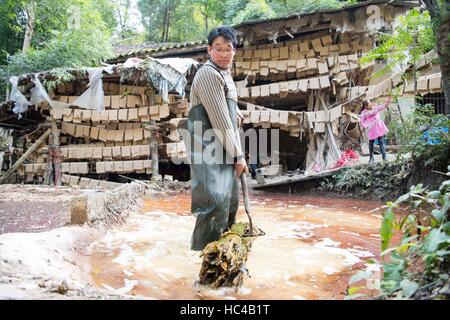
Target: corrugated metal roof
[325,11]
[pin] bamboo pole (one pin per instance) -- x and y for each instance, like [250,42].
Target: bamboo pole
[33,148]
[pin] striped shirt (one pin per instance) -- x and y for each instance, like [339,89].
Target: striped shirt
[208,90]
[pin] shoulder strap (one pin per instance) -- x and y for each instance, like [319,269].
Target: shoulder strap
[225,87]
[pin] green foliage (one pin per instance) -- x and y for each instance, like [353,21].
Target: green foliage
[254,10]
[69,48]
[418,265]
[386,177]
[287,7]
[106,9]
[232,8]
[411,132]
[193,19]
[400,47]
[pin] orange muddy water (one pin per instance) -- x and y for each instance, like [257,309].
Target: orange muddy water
[311,248]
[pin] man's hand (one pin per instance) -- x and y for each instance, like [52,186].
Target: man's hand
[240,166]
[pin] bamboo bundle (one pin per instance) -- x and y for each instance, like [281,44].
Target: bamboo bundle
[224,260]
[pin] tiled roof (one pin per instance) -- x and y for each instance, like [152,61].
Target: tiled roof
[141,50]
[349,7]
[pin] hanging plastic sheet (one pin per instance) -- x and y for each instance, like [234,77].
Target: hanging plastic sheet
[39,94]
[93,97]
[168,74]
[21,103]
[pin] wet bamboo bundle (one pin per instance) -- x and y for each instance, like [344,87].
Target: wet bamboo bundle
[224,260]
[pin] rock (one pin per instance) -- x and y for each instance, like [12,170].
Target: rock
[157,177]
[63,288]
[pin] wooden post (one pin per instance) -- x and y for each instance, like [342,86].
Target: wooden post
[56,160]
[154,148]
[33,148]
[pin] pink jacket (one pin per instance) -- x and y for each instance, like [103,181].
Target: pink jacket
[370,119]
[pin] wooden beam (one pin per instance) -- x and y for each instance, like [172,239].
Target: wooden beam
[154,149]
[33,148]
[56,150]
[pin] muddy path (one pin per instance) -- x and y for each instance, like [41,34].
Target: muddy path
[311,247]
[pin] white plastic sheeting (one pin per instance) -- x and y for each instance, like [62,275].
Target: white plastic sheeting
[21,102]
[39,94]
[92,98]
[165,75]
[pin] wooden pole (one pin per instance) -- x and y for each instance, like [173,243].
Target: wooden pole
[154,148]
[56,151]
[33,148]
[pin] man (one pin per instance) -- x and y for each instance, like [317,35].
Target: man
[213,105]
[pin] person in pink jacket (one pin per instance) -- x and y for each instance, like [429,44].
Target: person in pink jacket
[376,129]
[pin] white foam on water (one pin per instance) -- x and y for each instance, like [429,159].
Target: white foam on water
[331,246]
[126,255]
[350,232]
[329,270]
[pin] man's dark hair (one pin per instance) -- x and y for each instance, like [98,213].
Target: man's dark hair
[227,32]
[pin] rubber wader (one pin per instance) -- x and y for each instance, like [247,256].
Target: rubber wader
[215,191]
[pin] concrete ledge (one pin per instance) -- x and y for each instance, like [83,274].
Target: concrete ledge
[108,207]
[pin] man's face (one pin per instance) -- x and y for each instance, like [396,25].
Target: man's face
[221,52]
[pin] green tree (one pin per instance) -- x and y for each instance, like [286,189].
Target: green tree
[286,7]
[48,16]
[107,11]
[211,11]
[188,22]
[410,39]
[157,18]
[254,10]
[232,8]
[83,42]
[10,29]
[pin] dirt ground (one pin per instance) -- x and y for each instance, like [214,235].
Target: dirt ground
[37,208]
[41,255]
[30,208]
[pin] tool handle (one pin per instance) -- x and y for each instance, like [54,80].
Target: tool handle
[244,186]
[246,201]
